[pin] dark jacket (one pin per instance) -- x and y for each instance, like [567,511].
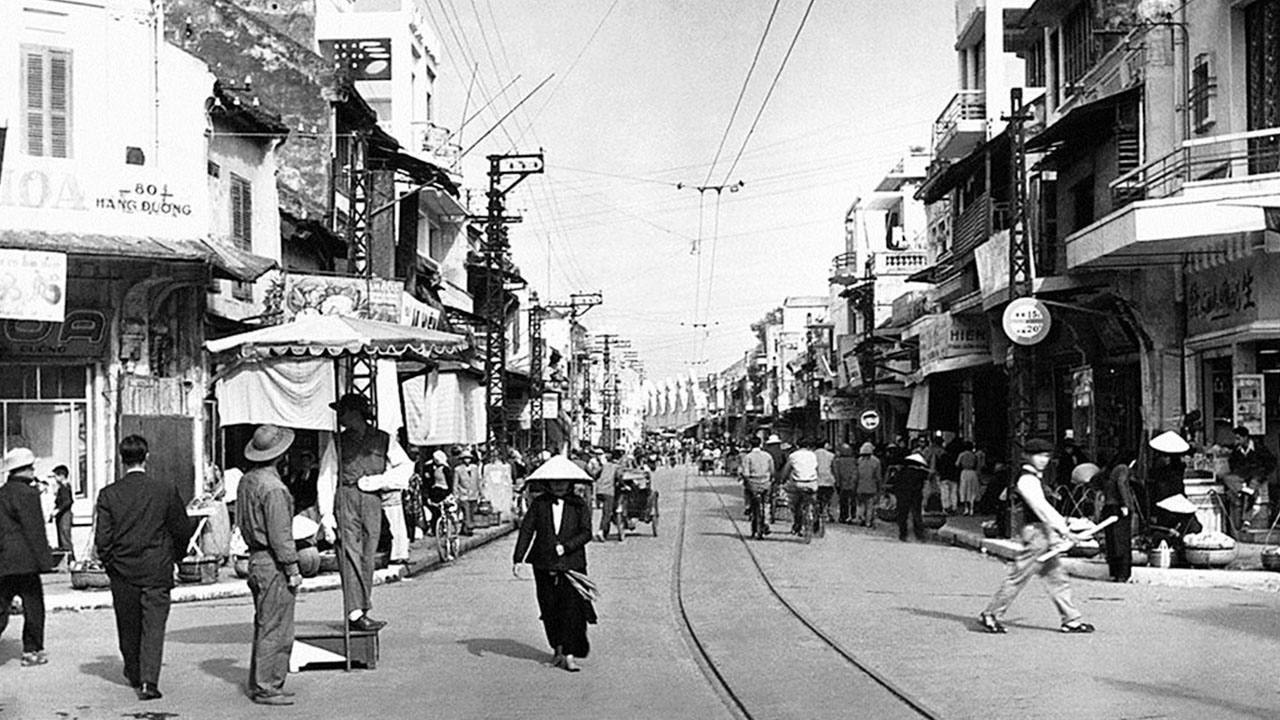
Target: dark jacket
[143,530]
[24,547]
[62,501]
[909,481]
[537,542]
[1115,488]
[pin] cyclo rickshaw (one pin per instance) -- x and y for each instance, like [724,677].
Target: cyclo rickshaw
[635,500]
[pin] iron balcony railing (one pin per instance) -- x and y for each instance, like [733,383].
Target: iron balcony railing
[435,141]
[1239,155]
[966,105]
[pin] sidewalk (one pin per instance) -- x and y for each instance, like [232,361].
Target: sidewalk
[60,596]
[1244,573]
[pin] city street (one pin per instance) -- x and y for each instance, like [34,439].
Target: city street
[465,642]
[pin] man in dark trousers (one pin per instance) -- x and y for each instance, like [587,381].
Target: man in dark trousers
[24,551]
[553,538]
[62,501]
[265,519]
[142,532]
[371,460]
[908,492]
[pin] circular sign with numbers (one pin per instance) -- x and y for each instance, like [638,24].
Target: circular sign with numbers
[869,420]
[1026,321]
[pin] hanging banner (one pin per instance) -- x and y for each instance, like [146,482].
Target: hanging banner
[33,285]
[368,298]
[1249,410]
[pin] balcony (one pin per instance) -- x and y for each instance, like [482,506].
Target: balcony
[434,143]
[961,126]
[1205,194]
[845,270]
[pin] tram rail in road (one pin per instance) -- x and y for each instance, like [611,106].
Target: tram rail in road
[737,679]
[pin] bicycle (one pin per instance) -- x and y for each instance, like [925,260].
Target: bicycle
[759,524]
[808,518]
[446,522]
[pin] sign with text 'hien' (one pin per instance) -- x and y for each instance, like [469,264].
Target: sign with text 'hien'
[33,285]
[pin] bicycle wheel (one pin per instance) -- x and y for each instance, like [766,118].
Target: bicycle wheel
[806,522]
[442,539]
[453,530]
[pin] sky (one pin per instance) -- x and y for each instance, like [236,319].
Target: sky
[640,101]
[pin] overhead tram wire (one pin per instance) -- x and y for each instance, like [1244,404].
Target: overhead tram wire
[764,103]
[742,91]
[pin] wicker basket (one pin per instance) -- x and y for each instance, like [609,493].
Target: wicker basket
[1217,557]
[203,571]
[933,521]
[1271,559]
[90,579]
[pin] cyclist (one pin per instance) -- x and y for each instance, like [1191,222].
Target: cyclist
[756,471]
[800,473]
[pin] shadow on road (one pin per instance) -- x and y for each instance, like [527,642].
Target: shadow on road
[1250,619]
[227,670]
[970,621]
[107,667]
[1166,691]
[230,634]
[505,647]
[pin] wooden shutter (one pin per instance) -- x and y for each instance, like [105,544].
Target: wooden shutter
[46,94]
[59,103]
[35,101]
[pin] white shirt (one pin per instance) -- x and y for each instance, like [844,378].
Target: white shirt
[557,512]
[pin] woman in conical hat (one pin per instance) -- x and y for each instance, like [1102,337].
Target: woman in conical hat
[553,538]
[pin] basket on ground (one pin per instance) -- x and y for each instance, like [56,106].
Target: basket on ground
[1202,557]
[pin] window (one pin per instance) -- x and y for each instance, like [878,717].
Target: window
[1035,65]
[242,228]
[1082,198]
[1203,84]
[46,93]
[1077,45]
[1262,80]
[45,408]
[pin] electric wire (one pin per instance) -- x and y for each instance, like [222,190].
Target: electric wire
[764,103]
[742,92]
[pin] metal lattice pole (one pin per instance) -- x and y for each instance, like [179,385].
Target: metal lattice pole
[1021,360]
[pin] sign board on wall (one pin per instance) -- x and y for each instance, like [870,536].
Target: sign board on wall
[1231,295]
[124,203]
[33,285]
[949,337]
[838,408]
[1249,405]
[369,298]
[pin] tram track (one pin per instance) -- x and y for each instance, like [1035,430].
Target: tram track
[727,683]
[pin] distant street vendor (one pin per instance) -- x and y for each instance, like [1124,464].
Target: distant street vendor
[371,462]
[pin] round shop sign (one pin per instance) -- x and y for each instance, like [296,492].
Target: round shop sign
[869,420]
[1026,321]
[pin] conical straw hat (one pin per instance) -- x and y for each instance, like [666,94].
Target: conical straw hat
[559,467]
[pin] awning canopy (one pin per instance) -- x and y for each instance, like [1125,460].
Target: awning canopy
[334,335]
[940,183]
[1085,118]
[228,262]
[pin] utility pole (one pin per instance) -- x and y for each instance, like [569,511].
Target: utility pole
[1021,359]
[358,231]
[496,248]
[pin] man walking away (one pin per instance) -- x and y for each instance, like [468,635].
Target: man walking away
[265,522]
[24,552]
[801,475]
[845,470]
[143,530]
[757,477]
[908,491]
[62,503]
[606,492]
[870,484]
[826,480]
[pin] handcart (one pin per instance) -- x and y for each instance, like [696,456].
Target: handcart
[636,501]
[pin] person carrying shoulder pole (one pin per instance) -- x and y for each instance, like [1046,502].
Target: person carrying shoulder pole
[1037,537]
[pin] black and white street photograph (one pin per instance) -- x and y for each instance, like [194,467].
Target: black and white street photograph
[640,359]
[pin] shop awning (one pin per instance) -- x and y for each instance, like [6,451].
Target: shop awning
[335,335]
[918,417]
[1085,118]
[228,262]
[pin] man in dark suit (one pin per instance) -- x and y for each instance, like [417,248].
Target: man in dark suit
[143,530]
[553,538]
[24,551]
[62,502]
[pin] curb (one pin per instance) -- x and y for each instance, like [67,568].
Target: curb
[425,561]
[1256,581]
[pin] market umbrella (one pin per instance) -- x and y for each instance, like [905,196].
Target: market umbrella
[336,335]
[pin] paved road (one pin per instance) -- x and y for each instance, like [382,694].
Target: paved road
[465,641]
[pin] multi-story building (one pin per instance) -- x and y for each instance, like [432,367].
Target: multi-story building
[886,243]
[112,228]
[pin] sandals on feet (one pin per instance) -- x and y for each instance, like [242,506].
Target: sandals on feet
[1076,627]
[992,624]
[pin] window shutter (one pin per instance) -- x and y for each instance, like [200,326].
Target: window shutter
[35,103]
[59,103]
